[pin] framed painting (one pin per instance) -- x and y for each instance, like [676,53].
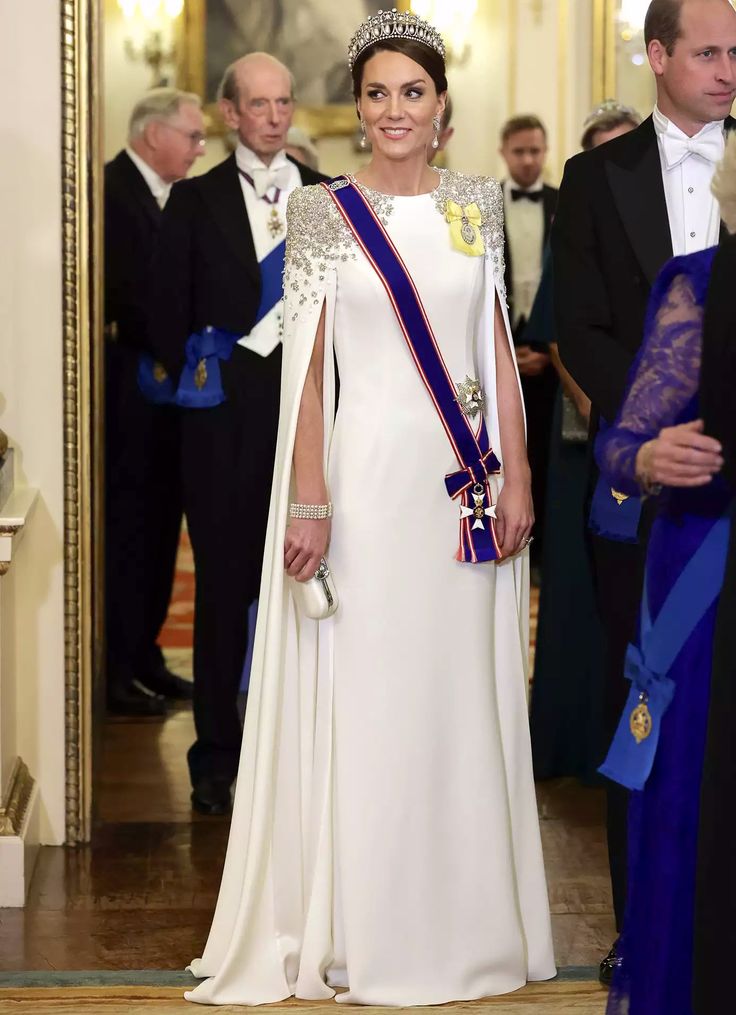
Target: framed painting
[309,36]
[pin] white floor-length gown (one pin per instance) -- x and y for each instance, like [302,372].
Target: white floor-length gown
[385,836]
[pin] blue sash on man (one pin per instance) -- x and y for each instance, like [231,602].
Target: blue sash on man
[200,384]
[632,752]
[470,483]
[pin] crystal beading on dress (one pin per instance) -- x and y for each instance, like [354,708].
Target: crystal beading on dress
[318,234]
[394,25]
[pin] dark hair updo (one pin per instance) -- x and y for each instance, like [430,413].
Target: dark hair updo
[425,56]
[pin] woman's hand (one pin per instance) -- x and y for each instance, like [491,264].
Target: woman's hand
[514,516]
[305,544]
[680,456]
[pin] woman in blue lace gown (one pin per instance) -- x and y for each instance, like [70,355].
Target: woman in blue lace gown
[657,445]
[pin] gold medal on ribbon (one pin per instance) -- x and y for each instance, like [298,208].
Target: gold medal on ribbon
[159,373]
[465,226]
[200,374]
[640,720]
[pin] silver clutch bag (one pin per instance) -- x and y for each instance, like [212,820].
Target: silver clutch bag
[316,598]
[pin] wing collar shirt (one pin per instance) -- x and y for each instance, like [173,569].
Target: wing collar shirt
[688,165]
[158,187]
[525,233]
[265,203]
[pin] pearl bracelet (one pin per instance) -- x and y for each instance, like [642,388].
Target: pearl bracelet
[313,512]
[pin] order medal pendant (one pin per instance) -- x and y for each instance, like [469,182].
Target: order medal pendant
[640,721]
[467,232]
[200,375]
[275,224]
[159,373]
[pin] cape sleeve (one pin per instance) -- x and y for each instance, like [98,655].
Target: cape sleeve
[663,381]
[492,231]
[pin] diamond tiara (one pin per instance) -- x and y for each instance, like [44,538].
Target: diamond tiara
[394,25]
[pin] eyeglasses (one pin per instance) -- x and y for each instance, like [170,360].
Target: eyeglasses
[195,138]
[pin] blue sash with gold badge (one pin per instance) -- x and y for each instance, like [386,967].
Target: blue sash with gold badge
[634,746]
[200,384]
[455,403]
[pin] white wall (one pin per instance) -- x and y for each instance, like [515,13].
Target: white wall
[31,390]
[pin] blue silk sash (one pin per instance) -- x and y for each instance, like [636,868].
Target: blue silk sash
[614,515]
[200,385]
[154,383]
[470,483]
[634,746]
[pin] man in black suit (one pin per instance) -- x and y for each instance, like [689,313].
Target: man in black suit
[624,209]
[715,927]
[216,267]
[529,207]
[143,496]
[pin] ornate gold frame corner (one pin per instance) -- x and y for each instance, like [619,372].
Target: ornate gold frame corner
[81,192]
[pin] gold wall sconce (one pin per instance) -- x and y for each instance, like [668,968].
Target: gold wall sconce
[152,35]
[453,19]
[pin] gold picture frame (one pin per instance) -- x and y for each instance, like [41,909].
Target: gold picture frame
[334,120]
[82,317]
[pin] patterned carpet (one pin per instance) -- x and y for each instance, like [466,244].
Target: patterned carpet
[178,629]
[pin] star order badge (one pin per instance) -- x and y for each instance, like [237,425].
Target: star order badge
[470,397]
[275,223]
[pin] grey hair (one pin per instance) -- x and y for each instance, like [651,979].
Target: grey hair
[724,184]
[228,87]
[158,104]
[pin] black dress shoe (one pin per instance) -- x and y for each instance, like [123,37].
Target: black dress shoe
[163,681]
[135,702]
[211,797]
[608,965]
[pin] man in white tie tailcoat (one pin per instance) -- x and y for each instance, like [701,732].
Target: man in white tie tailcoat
[143,507]
[218,267]
[624,209]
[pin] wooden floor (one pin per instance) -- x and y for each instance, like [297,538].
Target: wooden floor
[141,896]
[552,999]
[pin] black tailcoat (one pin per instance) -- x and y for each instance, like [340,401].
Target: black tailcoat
[143,490]
[715,928]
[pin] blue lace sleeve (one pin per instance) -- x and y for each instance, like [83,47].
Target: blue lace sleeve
[662,383]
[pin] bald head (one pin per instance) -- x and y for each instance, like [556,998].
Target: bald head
[248,67]
[257,101]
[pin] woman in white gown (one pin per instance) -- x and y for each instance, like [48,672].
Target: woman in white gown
[385,837]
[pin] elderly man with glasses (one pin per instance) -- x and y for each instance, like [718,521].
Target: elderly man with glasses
[143,494]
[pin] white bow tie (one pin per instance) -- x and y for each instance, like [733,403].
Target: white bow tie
[677,148]
[265,177]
